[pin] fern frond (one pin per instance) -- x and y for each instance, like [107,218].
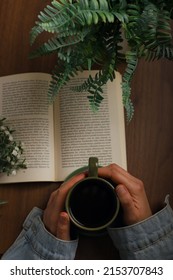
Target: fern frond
[158,38]
[95,98]
[149,31]
[94,11]
[54,18]
[60,77]
[55,44]
[59,16]
[92,85]
[132,25]
[63,72]
[35,32]
[166,5]
[121,16]
[132,60]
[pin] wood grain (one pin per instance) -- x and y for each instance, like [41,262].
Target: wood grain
[148,136]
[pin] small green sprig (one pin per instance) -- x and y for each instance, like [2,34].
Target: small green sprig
[11,159]
[2,202]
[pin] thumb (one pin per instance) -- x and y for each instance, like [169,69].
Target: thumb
[63,226]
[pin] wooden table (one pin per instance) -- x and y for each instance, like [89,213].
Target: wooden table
[149,135]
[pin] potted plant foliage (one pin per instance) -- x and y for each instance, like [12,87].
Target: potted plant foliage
[11,158]
[88,33]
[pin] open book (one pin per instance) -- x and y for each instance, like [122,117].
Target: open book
[59,138]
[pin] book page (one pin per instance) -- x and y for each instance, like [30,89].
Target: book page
[23,101]
[84,133]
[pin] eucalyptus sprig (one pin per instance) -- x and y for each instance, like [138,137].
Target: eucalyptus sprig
[89,33]
[11,151]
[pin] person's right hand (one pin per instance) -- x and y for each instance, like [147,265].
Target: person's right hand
[130,192]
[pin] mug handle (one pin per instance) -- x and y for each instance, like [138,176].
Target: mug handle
[93,167]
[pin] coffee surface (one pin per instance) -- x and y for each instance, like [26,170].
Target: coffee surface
[92,203]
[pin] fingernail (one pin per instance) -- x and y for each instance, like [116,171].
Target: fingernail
[63,218]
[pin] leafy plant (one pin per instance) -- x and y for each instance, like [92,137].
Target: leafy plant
[89,33]
[10,151]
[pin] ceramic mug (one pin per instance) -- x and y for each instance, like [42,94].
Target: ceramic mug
[91,203]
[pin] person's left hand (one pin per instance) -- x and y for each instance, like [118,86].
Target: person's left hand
[55,219]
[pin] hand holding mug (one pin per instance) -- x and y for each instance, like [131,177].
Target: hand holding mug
[130,192]
[55,219]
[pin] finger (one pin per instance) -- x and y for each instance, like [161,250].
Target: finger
[125,198]
[51,198]
[115,172]
[63,226]
[65,187]
[119,176]
[68,184]
[58,197]
[135,209]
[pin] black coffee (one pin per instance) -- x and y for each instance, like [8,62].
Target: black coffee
[92,203]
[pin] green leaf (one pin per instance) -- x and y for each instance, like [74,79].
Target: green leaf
[3,202]
[94,4]
[104,5]
[95,18]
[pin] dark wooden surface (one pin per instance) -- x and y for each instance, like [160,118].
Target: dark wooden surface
[149,135]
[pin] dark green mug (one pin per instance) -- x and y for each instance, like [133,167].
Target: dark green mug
[91,203]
